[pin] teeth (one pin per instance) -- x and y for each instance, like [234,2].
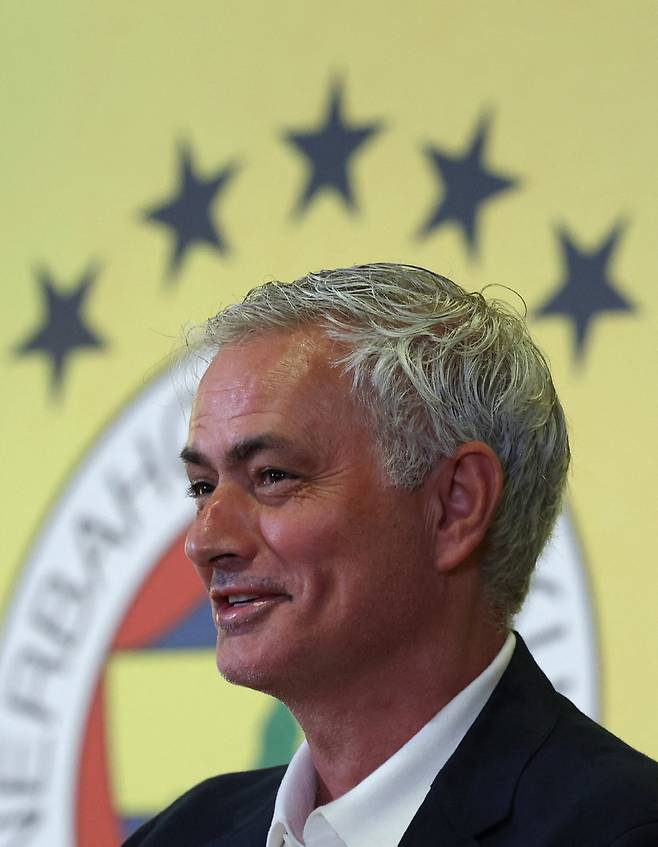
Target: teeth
[240,598]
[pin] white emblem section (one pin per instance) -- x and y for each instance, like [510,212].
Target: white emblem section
[557,620]
[120,511]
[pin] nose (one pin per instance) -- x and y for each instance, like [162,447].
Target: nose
[223,533]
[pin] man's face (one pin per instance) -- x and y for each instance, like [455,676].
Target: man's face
[316,566]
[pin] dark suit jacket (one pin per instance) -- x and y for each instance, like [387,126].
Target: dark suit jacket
[532,771]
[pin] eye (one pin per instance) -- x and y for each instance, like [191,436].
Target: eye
[272,476]
[198,488]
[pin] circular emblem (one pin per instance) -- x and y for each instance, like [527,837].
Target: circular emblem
[106,578]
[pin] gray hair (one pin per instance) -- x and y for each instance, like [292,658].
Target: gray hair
[436,367]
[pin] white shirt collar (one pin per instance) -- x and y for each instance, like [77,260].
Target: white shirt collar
[378,811]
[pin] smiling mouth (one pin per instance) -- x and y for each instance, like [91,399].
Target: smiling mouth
[241,599]
[233,612]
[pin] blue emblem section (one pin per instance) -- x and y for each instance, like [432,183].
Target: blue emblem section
[194,631]
[130,825]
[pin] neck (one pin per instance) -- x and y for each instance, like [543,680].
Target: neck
[361,722]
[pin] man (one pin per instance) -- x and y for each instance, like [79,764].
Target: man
[377,459]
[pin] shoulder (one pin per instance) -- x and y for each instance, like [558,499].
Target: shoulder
[640,836]
[213,807]
[603,786]
[536,769]
[595,753]
[591,764]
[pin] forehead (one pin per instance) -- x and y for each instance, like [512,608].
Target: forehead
[282,381]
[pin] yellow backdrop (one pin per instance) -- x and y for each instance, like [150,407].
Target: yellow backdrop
[160,158]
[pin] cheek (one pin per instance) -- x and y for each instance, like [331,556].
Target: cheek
[318,556]
[307,536]
[345,553]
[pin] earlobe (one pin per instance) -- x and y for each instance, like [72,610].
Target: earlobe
[468,485]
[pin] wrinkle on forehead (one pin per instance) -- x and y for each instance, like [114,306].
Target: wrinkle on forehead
[293,354]
[304,351]
[290,365]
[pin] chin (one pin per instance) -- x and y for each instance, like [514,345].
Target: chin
[245,677]
[247,674]
[257,664]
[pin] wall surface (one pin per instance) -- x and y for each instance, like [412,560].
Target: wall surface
[158,160]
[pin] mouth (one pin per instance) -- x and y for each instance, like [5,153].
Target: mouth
[242,599]
[235,610]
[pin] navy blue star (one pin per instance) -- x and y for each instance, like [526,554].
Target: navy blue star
[63,329]
[188,212]
[467,183]
[329,150]
[586,289]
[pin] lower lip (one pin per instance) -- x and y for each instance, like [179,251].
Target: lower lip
[232,618]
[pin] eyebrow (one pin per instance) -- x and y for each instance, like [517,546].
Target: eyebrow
[241,451]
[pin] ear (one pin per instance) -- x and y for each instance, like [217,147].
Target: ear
[465,489]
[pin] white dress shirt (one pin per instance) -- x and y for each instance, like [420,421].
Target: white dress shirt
[378,811]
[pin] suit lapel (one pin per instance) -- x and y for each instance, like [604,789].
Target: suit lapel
[251,827]
[432,826]
[252,832]
[476,787]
